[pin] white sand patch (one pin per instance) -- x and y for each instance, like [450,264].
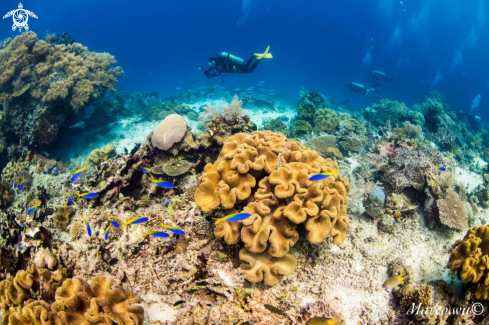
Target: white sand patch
[467,179]
[430,264]
[157,310]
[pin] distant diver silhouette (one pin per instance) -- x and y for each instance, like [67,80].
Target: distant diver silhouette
[378,76]
[229,63]
[357,88]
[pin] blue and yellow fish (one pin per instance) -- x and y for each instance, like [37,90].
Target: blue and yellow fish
[441,168]
[15,184]
[78,173]
[21,185]
[32,209]
[321,176]
[146,170]
[87,225]
[161,183]
[88,195]
[173,229]
[102,184]
[113,223]
[394,281]
[156,234]
[135,221]
[233,217]
[70,200]
[106,235]
[44,172]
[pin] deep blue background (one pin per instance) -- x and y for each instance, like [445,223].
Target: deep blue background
[316,44]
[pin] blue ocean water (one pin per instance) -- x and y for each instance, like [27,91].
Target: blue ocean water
[319,45]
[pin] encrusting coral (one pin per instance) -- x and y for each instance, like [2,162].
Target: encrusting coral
[267,176]
[99,155]
[470,258]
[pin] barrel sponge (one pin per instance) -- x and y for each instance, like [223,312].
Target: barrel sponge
[470,258]
[267,176]
[259,267]
[170,131]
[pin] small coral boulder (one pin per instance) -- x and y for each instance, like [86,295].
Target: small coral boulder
[170,131]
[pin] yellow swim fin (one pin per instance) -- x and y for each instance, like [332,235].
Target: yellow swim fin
[264,55]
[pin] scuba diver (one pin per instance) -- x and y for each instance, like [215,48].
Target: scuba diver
[378,76]
[358,88]
[228,63]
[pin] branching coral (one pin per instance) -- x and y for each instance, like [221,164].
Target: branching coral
[267,175]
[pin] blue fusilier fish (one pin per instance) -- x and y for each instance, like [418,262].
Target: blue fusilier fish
[21,185]
[161,183]
[78,173]
[233,217]
[134,221]
[146,170]
[44,172]
[15,184]
[156,234]
[441,168]
[173,229]
[32,209]
[114,223]
[87,225]
[321,176]
[106,235]
[70,200]
[88,195]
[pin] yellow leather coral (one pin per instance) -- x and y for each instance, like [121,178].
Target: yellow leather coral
[75,302]
[267,176]
[470,257]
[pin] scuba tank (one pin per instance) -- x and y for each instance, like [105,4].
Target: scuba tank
[233,58]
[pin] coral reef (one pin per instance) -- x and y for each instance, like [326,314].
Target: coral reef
[170,131]
[325,145]
[283,198]
[45,79]
[470,259]
[99,155]
[5,195]
[377,199]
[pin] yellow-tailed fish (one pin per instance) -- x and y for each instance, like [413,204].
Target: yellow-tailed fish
[114,223]
[106,235]
[233,217]
[15,184]
[135,221]
[156,234]
[441,168]
[161,183]
[70,200]
[21,185]
[33,208]
[87,225]
[173,229]
[102,184]
[323,321]
[146,170]
[321,176]
[394,281]
[78,173]
[88,195]
[275,310]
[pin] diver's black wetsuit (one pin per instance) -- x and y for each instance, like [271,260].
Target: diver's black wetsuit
[225,65]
